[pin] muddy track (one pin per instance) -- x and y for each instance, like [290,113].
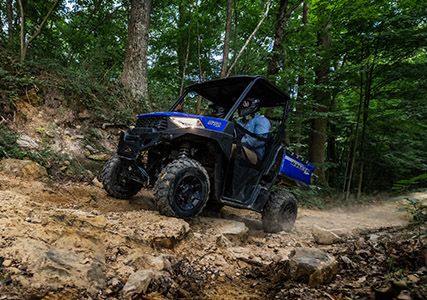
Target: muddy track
[67,241]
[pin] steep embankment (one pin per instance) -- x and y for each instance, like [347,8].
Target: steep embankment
[66,241]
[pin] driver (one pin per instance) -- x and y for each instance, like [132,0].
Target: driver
[218,111]
[258,124]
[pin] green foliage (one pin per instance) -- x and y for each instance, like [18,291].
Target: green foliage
[405,184]
[378,52]
[8,146]
[79,88]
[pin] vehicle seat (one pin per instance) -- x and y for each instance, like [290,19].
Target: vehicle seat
[246,152]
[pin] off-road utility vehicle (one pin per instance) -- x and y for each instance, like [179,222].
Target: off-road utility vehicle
[194,158]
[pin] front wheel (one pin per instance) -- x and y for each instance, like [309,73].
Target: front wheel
[280,212]
[115,180]
[182,188]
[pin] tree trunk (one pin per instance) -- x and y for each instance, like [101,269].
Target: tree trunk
[9,16]
[202,75]
[366,102]
[331,147]
[353,159]
[226,48]
[23,42]
[273,64]
[322,99]
[134,75]
[23,47]
[187,53]
[300,95]
[347,164]
[282,18]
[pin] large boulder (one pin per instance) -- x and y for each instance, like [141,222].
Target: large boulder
[149,228]
[22,168]
[312,266]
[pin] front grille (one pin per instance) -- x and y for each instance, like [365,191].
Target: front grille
[159,123]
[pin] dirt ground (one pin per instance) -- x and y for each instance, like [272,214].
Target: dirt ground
[72,241]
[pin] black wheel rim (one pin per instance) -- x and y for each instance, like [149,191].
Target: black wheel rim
[189,192]
[123,175]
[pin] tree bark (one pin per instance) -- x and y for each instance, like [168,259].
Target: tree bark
[322,99]
[134,75]
[9,16]
[226,48]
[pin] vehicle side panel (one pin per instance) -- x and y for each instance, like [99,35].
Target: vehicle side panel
[295,169]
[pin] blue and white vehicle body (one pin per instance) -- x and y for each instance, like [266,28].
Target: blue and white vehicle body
[159,138]
[291,167]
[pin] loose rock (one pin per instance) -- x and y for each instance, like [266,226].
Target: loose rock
[324,236]
[312,266]
[233,231]
[7,263]
[138,282]
[97,183]
[26,141]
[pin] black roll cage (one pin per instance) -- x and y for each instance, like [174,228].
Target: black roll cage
[246,91]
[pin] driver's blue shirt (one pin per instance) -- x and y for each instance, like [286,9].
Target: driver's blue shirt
[259,125]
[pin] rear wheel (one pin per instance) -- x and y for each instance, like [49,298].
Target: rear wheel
[115,181]
[280,212]
[182,188]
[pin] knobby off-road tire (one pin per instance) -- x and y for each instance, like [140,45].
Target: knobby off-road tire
[115,185]
[280,212]
[182,189]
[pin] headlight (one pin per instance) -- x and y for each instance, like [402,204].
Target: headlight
[187,122]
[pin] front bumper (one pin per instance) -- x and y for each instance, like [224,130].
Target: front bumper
[132,142]
[135,140]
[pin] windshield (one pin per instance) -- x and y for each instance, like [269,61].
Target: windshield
[193,103]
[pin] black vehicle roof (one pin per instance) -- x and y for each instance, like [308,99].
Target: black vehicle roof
[225,91]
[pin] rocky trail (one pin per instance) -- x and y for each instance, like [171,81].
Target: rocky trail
[72,241]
